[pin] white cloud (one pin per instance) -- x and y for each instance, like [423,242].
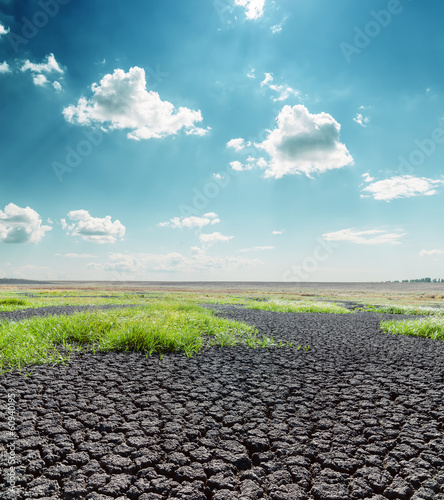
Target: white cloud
[429,253]
[369,237]
[277,232]
[4,67]
[251,73]
[277,28]
[304,143]
[367,177]
[121,102]
[57,86]
[41,71]
[254,9]
[361,119]
[40,80]
[283,91]
[79,255]
[236,144]
[48,66]
[199,261]
[193,221]
[93,229]
[269,247]
[214,238]
[21,225]
[403,186]
[239,167]
[3,30]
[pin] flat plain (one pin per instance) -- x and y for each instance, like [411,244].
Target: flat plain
[222,390]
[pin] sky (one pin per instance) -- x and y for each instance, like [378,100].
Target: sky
[234,140]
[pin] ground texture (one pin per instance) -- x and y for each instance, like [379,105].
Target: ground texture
[359,415]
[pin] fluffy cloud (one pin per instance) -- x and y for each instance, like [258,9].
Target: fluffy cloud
[94,229]
[277,232]
[199,261]
[4,67]
[193,221]
[3,30]
[283,91]
[402,186]
[369,237]
[121,101]
[254,9]
[214,238]
[21,225]
[40,71]
[304,143]
[430,253]
[236,144]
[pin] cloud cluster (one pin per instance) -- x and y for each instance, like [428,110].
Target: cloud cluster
[193,221]
[368,237]
[21,225]
[304,143]
[254,9]
[93,229]
[121,102]
[361,118]
[40,71]
[401,186]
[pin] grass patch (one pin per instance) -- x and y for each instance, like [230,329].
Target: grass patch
[12,301]
[432,327]
[157,327]
[295,306]
[407,310]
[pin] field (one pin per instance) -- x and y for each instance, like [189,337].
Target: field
[165,317]
[221,391]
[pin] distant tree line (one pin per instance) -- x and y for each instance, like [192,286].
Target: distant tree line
[420,280]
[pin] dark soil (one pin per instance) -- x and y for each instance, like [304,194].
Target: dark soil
[359,415]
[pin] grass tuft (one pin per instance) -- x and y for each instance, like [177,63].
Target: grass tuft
[431,327]
[157,327]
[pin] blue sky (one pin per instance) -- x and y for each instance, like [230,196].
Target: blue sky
[228,140]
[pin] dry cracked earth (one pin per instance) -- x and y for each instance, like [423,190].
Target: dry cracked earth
[358,415]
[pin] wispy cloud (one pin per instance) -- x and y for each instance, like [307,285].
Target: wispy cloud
[283,91]
[209,218]
[258,248]
[402,186]
[214,238]
[368,237]
[431,253]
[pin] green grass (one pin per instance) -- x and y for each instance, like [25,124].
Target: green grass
[296,306]
[431,327]
[407,310]
[157,327]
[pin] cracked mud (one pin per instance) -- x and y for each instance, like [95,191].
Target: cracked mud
[359,415]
